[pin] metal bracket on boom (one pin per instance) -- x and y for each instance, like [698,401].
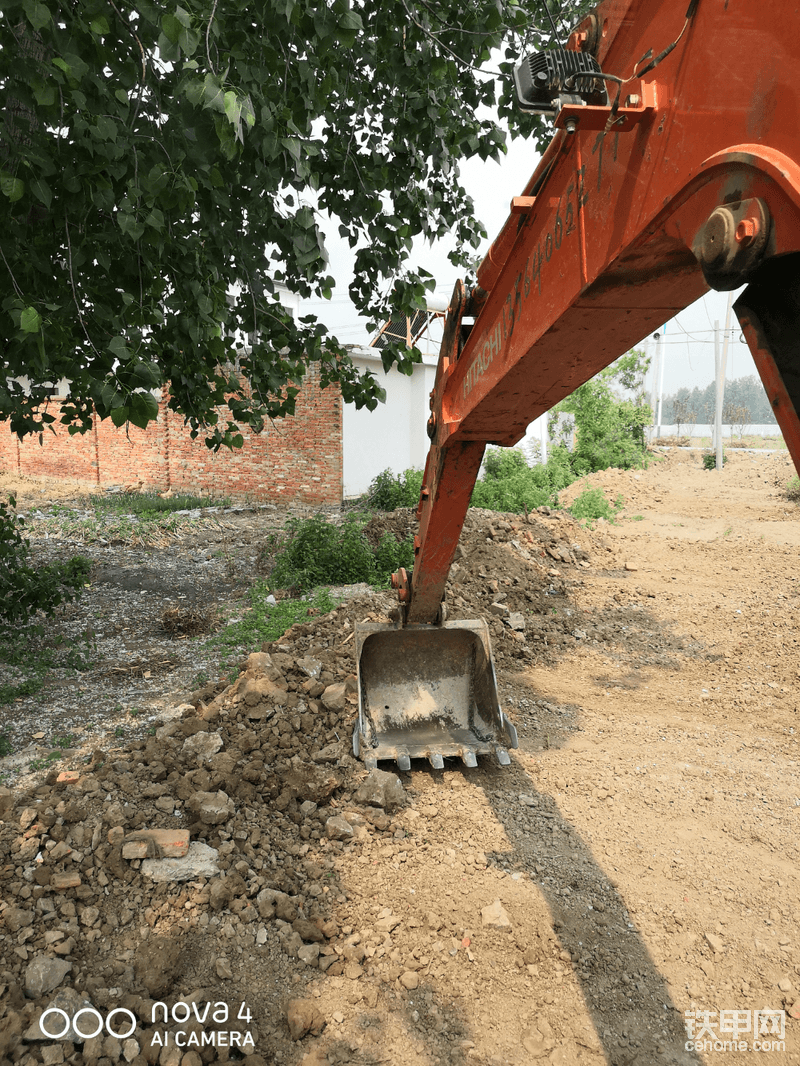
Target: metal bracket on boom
[638,106]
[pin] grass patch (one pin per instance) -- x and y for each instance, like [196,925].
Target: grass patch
[150,503]
[5,746]
[27,660]
[792,492]
[263,622]
[593,504]
[313,552]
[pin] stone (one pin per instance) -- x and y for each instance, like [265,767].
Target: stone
[43,974]
[68,1000]
[130,1049]
[156,843]
[380,789]
[352,970]
[495,917]
[499,610]
[714,942]
[223,968]
[52,1054]
[308,931]
[62,881]
[211,808]
[409,980]
[333,698]
[303,1016]
[6,801]
[17,918]
[272,903]
[291,944]
[785,985]
[307,808]
[516,621]
[309,666]
[310,782]
[202,745]
[338,828]
[387,922]
[536,1044]
[330,753]
[631,567]
[308,953]
[199,861]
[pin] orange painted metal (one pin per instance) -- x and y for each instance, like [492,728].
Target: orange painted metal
[604,248]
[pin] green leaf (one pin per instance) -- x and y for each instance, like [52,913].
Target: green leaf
[189,40]
[143,409]
[107,128]
[292,146]
[172,27]
[30,321]
[41,190]
[119,416]
[350,20]
[99,26]
[120,349]
[213,95]
[13,188]
[45,94]
[37,13]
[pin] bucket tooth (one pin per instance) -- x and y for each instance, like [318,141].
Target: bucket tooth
[403,762]
[436,761]
[469,758]
[503,757]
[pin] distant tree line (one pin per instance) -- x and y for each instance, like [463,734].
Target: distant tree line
[745,403]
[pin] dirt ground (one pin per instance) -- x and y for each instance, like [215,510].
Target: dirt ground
[635,869]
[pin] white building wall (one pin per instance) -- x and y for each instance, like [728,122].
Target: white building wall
[393,435]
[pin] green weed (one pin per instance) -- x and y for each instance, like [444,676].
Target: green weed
[264,622]
[710,460]
[314,552]
[5,746]
[150,503]
[592,504]
[389,491]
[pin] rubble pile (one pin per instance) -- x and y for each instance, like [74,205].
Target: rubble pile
[159,872]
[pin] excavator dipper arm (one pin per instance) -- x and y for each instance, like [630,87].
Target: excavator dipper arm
[692,182]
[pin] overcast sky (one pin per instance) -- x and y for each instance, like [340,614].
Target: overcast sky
[688,342]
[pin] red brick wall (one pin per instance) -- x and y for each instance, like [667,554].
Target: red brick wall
[294,459]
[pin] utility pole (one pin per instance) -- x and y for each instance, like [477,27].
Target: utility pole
[720,364]
[658,385]
[660,378]
[543,435]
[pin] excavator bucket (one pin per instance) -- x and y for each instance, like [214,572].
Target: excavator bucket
[428,692]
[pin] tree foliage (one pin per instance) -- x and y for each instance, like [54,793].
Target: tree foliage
[746,393]
[163,167]
[26,589]
[610,428]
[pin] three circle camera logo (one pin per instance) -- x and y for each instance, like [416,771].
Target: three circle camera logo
[73,1023]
